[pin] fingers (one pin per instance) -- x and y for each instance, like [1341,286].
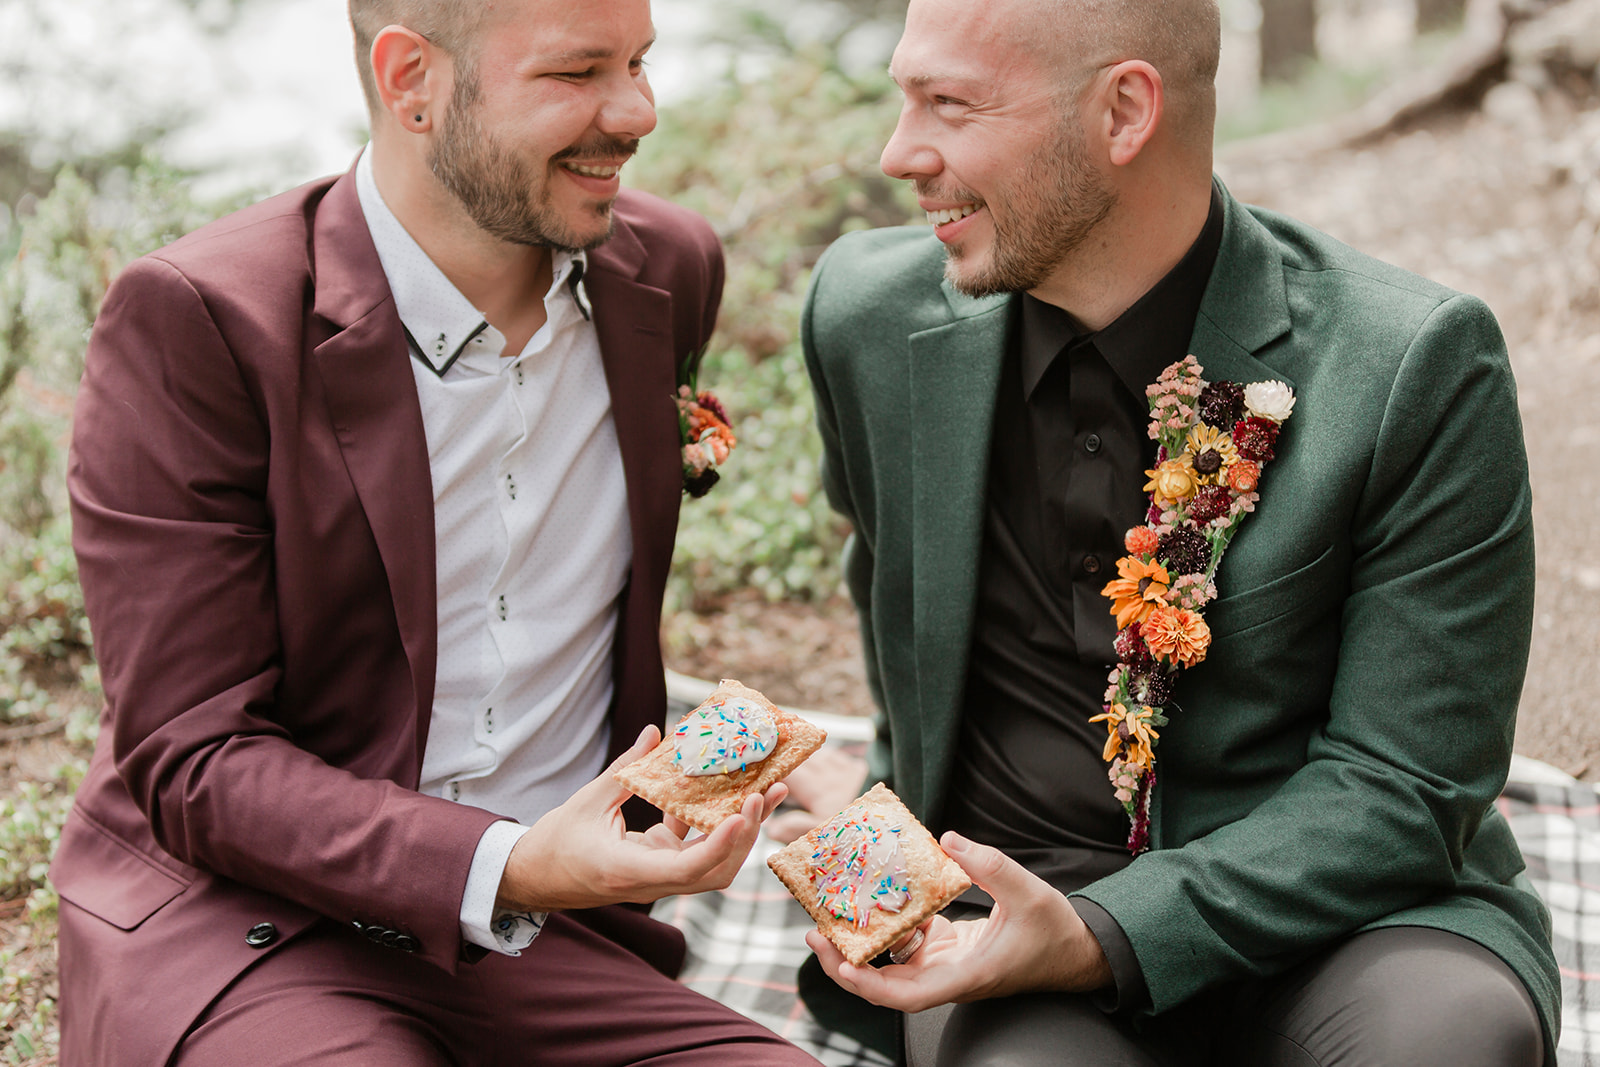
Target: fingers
[774,796]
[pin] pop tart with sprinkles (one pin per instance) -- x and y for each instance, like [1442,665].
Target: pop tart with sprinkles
[737,742]
[870,875]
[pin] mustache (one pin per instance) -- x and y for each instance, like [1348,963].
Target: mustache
[953,194]
[599,150]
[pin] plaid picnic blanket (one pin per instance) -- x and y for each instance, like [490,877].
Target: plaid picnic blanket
[746,942]
[1556,820]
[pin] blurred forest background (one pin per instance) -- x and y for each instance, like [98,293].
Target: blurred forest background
[1459,138]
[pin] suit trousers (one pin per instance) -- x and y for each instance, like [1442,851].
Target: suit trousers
[1407,995]
[575,998]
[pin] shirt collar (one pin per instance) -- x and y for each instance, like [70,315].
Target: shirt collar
[1144,340]
[439,321]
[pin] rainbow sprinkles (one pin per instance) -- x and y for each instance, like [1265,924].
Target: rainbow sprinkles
[724,737]
[857,867]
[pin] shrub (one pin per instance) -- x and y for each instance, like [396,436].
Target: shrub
[781,167]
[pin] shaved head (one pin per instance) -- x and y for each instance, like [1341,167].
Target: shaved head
[1180,38]
[452,25]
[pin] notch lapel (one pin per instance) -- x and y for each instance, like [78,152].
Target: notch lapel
[377,420]
[634,324]
[1246,303]
[955,376]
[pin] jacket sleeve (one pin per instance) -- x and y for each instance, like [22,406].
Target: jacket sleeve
[173,528]
[1432,644]
[858,560]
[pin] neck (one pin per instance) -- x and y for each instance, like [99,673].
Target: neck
[501,279]
[1147,233]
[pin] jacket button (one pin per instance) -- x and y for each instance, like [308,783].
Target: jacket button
[407,943]
[261,935]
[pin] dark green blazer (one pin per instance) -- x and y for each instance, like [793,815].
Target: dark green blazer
[1333,764]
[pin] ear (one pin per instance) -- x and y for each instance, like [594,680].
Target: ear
[402,61]
[1135,101]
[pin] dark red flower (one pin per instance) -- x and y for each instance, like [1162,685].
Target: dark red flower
[1222,403]
[1211,502]
[1254,438]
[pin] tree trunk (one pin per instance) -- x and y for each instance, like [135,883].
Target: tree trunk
[1288,37]
[1439,14]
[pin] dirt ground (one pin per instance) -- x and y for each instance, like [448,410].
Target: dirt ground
[1502,204]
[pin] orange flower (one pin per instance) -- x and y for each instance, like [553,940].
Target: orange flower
[1176,634]
[1244,475]
[1130,729]
[1141,541]
[1138,591]
[1173,482]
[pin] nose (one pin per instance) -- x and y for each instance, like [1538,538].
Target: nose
[910,154]
[630,109]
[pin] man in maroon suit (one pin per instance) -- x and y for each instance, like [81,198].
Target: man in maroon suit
[374,491]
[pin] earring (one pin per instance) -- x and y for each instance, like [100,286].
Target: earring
[416,118]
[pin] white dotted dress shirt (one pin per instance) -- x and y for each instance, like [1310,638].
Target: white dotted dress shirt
[530,517]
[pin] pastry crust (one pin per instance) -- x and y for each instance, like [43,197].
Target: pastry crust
[705,801]
[933,879]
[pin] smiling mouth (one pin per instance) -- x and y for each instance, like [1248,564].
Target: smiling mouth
[949,215]
[593,170]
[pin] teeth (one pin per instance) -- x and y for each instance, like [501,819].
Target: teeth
[592,172]
[939,218]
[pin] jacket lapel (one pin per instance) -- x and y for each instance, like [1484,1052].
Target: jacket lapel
[372,399]
[634,324]
[955,377]
[1246,304]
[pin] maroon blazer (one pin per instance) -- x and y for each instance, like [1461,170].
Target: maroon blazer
[252,515]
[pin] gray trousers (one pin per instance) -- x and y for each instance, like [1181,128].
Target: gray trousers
[1401,997]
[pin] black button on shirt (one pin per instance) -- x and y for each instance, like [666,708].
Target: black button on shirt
[1066,479]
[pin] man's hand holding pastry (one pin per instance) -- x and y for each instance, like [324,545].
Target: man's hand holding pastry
[1032,941]
[581,855]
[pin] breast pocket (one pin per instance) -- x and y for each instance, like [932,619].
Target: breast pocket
[1311,584]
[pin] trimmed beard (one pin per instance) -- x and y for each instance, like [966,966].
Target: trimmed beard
[500,190]
[1059,201]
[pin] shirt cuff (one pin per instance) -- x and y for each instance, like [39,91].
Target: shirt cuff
[482,924]
[1128,991]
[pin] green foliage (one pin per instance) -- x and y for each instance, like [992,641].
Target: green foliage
[69,248]
[781,167]
[30,825]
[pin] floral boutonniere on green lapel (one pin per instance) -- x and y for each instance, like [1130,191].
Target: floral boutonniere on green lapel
[1215,439]
[704,431]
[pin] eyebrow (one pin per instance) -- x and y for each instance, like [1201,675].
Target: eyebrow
[918,81]
[585,55]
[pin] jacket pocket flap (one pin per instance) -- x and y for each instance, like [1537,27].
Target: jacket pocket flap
[1252,607]
[108,879]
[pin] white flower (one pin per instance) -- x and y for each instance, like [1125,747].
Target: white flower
[1269,400]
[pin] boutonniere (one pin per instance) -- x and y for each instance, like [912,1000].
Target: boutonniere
[704,431]
[1214,439]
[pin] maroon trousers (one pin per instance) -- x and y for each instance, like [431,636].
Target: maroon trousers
[574,998]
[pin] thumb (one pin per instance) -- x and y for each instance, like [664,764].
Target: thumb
[990,869]
[606,790]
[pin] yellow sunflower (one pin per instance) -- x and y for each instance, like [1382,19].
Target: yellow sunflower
[1211,452]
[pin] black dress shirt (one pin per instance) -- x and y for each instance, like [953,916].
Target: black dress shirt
[1066,477]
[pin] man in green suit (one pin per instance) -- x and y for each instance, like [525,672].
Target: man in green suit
[1328,880]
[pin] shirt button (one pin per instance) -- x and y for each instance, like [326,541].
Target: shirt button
[1091,564]
[455,790]
[1092,443]
[488,721]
